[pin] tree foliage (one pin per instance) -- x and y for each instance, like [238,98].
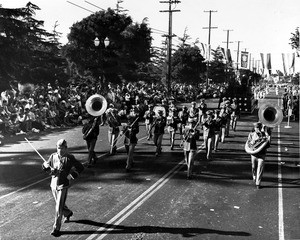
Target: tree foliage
[187,64]
[129,46]
[217,67]
[294,40]
[29,54]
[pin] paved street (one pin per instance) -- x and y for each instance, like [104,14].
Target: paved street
[155,200]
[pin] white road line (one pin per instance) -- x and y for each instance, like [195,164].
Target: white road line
[141,201]
[137,202]
[280,196]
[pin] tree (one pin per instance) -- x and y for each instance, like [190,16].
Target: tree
[29,54]
[187,64]
[294,40]
[129,46]
[217,67]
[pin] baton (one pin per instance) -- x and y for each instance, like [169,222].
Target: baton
[36,150]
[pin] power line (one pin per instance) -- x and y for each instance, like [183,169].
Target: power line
[94,5]
[81,7]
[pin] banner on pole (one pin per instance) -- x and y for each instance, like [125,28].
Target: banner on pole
[269,66]
[244,59]
[228,56]
[283,62]
[262,60]
[293,63]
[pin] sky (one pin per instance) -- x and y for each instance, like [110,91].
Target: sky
[261,26]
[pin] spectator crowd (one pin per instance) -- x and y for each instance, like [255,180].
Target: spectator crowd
[42,107]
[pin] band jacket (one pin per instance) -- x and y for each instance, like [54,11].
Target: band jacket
[255,137]
[132,129]
[149,116]
[190,137]
[64,167]
[160,124]
[92,129]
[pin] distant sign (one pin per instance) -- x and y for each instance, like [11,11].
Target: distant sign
[244,59]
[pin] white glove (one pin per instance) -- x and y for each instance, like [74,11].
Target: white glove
[46,165]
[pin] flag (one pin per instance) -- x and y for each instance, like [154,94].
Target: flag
[268,63]
[262,60]
[223,51]
[203,50]
[228,56]
[283,62]
[293,63]
[244,59]
[288,63]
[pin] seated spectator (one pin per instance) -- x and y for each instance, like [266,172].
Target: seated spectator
[52,117]
[30,103]
[37,124]
[24,120]
[3,122]
[13,124]
[5,107]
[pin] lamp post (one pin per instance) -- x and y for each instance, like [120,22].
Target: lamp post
[99,44]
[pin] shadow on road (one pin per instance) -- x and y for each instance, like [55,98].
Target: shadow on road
[120,229]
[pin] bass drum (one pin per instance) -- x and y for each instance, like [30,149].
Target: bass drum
[255,149]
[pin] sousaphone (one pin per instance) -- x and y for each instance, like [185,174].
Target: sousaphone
[269,115]
[158,108]
[96,105]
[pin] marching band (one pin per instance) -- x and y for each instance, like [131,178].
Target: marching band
[188,123]
[158,118]
[214,124]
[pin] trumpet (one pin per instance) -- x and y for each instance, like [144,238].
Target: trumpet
[190,132]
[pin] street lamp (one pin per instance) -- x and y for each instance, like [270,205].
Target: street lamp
[97,43]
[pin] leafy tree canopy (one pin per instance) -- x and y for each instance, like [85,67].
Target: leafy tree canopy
[294,40]
[187,64]
[29,54]
[129,45]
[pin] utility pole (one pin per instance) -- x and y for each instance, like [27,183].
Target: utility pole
[209,29]
[227,43]
[249,61]
[170,36]
[237,55]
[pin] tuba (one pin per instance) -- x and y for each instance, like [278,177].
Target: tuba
[269,115]
[160,108]
[96,105]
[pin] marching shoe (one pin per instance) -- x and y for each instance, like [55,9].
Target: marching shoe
[55,233]
[258,187]
[67,219]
